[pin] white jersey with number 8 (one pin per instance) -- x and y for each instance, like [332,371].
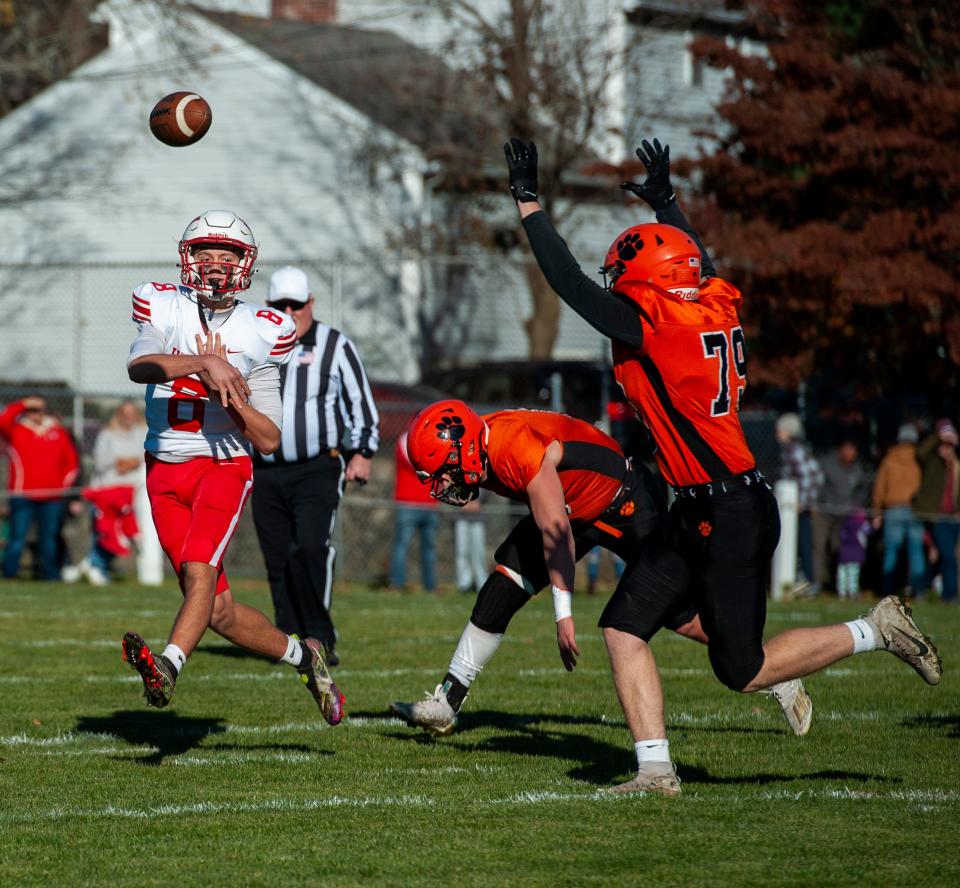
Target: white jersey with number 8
[183,421]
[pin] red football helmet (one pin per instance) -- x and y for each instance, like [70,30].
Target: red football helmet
[654,253]
[446,445]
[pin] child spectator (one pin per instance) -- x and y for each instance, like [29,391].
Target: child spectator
[852,552]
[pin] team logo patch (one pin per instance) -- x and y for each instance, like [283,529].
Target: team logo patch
[628,508]
[705,528]
[451,428]
[629,247]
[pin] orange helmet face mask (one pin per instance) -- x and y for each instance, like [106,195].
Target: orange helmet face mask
[447,448]
[656,254]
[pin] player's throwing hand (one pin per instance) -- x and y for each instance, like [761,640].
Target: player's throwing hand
[219,375]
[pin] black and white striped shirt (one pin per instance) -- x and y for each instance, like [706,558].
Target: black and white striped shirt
[327,403]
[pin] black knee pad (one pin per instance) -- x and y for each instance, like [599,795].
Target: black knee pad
[736,672]
[498,600]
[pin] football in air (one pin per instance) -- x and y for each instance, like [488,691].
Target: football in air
[181,118]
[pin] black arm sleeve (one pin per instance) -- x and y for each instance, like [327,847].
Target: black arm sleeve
[673,215]
[604,310]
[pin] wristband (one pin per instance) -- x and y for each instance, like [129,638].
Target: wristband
[562,603]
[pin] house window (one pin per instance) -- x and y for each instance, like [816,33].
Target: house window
[692,67]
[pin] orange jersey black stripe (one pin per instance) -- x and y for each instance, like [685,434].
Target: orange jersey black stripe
[686,380]
[591,471]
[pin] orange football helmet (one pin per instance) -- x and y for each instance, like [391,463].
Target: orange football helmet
[657,254]
[446,445]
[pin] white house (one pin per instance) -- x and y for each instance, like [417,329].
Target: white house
[329,173]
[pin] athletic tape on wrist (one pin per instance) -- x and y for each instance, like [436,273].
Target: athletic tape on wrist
[562,603]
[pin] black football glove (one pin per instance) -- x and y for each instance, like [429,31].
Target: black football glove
[522,163]
[656,189]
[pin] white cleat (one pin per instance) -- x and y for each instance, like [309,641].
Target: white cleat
[898,634]
[795,702]
[434,714]
[96,577]
[658,777]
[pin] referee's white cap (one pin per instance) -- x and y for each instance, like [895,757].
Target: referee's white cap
[288,283]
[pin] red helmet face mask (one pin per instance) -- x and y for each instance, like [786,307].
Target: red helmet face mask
[447,448]
[657,254]
[218,230]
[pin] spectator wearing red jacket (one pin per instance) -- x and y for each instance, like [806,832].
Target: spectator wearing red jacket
[43,462]
[416,513]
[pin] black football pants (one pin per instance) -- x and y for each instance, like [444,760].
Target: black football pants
[294,510]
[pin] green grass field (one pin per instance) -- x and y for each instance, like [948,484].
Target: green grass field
[239,782]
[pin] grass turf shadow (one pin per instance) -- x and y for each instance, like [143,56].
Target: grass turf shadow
[169,732]
[948,723]
[599,762]
[693,775]
[172,734]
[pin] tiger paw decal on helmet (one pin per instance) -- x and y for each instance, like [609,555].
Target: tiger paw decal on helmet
[629,246]
[451,428]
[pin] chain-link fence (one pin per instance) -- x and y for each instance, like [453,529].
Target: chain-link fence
[71,324]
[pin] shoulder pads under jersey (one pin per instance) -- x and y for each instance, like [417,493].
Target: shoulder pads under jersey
[145,299]
[646,297]
[718,288]
[276,330]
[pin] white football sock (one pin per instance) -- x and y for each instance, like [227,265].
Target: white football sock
[864,637]
[176,656]
[473,652]
[294,654]
[652,751]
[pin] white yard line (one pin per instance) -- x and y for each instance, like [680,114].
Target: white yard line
[525,798]
[107,741]
[73,738]
[279,674]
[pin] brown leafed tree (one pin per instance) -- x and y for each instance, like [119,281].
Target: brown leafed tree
[41,43]
[832,198]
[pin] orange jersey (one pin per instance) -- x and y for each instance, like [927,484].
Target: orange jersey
[591,471]
[686,380]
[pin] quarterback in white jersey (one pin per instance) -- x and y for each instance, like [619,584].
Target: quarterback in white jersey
[211,367]
[183,421]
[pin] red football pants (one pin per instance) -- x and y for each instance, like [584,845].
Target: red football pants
[196,506]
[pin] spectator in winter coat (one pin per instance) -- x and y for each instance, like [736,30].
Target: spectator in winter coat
[416,513]
[938,497]
[43,464]
[846,488]
[896,484]
[800,465]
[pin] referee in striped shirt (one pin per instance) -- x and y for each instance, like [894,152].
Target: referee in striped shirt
[329,435]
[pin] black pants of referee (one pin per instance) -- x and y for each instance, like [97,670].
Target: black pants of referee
[294,510]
